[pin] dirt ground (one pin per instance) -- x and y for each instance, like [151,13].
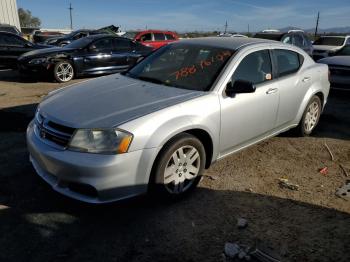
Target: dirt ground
[311,224]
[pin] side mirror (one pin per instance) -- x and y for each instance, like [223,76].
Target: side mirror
[239,86]
[92,48]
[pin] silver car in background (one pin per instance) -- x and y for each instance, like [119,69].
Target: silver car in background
[158,126]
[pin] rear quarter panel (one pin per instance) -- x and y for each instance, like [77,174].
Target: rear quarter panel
[320,85]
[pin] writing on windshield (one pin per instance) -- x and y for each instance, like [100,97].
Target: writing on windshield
[190,70]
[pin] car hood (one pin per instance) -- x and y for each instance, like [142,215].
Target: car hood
[46,51]
[336,60]
[110,101]
[326,47]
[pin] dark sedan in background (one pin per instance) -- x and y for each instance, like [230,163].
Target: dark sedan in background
[92,55]
[339,67]
[75,35]
[12,46]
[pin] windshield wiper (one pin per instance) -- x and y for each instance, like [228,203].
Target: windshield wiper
[150,79]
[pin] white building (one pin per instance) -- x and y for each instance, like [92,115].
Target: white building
[9,13]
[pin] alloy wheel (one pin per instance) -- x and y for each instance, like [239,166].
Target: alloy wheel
[65,72]
[181,170]
[311,117]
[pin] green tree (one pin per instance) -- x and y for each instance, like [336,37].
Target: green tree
[27,20]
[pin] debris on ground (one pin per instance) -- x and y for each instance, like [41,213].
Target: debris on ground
[242,223]
[344,191]
[211,177]
[250,190]
[344,170]
[284,183]
[324,171]
[329,151]
[232,249]
[237,252]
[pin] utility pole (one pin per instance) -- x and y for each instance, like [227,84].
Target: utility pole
[318,19]
[70,13]
[225,27]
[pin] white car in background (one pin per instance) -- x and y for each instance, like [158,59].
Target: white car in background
[326,45]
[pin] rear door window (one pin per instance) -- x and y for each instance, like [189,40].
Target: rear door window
[169,37]
[102,45]
[122,44]
[255,68]
[159,37]
[287,62]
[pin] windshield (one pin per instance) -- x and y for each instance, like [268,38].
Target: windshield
[80,43]
[71,34]
[130,35]
[334,41]
[345,51]
[187,66]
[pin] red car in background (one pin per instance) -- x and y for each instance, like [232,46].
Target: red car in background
[152,38]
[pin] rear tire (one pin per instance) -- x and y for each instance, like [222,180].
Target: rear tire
[310,118]
[178,167]
[63,71]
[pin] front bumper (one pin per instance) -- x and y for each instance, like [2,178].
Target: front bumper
[26,68]
[92,178]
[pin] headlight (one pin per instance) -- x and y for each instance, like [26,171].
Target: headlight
[103,141]
[37,61]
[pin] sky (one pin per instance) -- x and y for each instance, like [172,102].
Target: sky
[187,15]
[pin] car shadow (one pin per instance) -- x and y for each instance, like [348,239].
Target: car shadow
[41,225]
[38,224]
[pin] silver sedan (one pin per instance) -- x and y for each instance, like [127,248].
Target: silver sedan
[157,127]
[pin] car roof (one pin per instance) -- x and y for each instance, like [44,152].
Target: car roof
[232,43]
[153,31]
[102,36]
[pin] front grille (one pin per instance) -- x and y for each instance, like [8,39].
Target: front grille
[53,132]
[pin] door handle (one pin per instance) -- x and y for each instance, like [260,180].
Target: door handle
[306,79]
[271,91]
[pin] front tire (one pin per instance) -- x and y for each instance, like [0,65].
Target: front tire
[63,71]
[310,117]
[179,167]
